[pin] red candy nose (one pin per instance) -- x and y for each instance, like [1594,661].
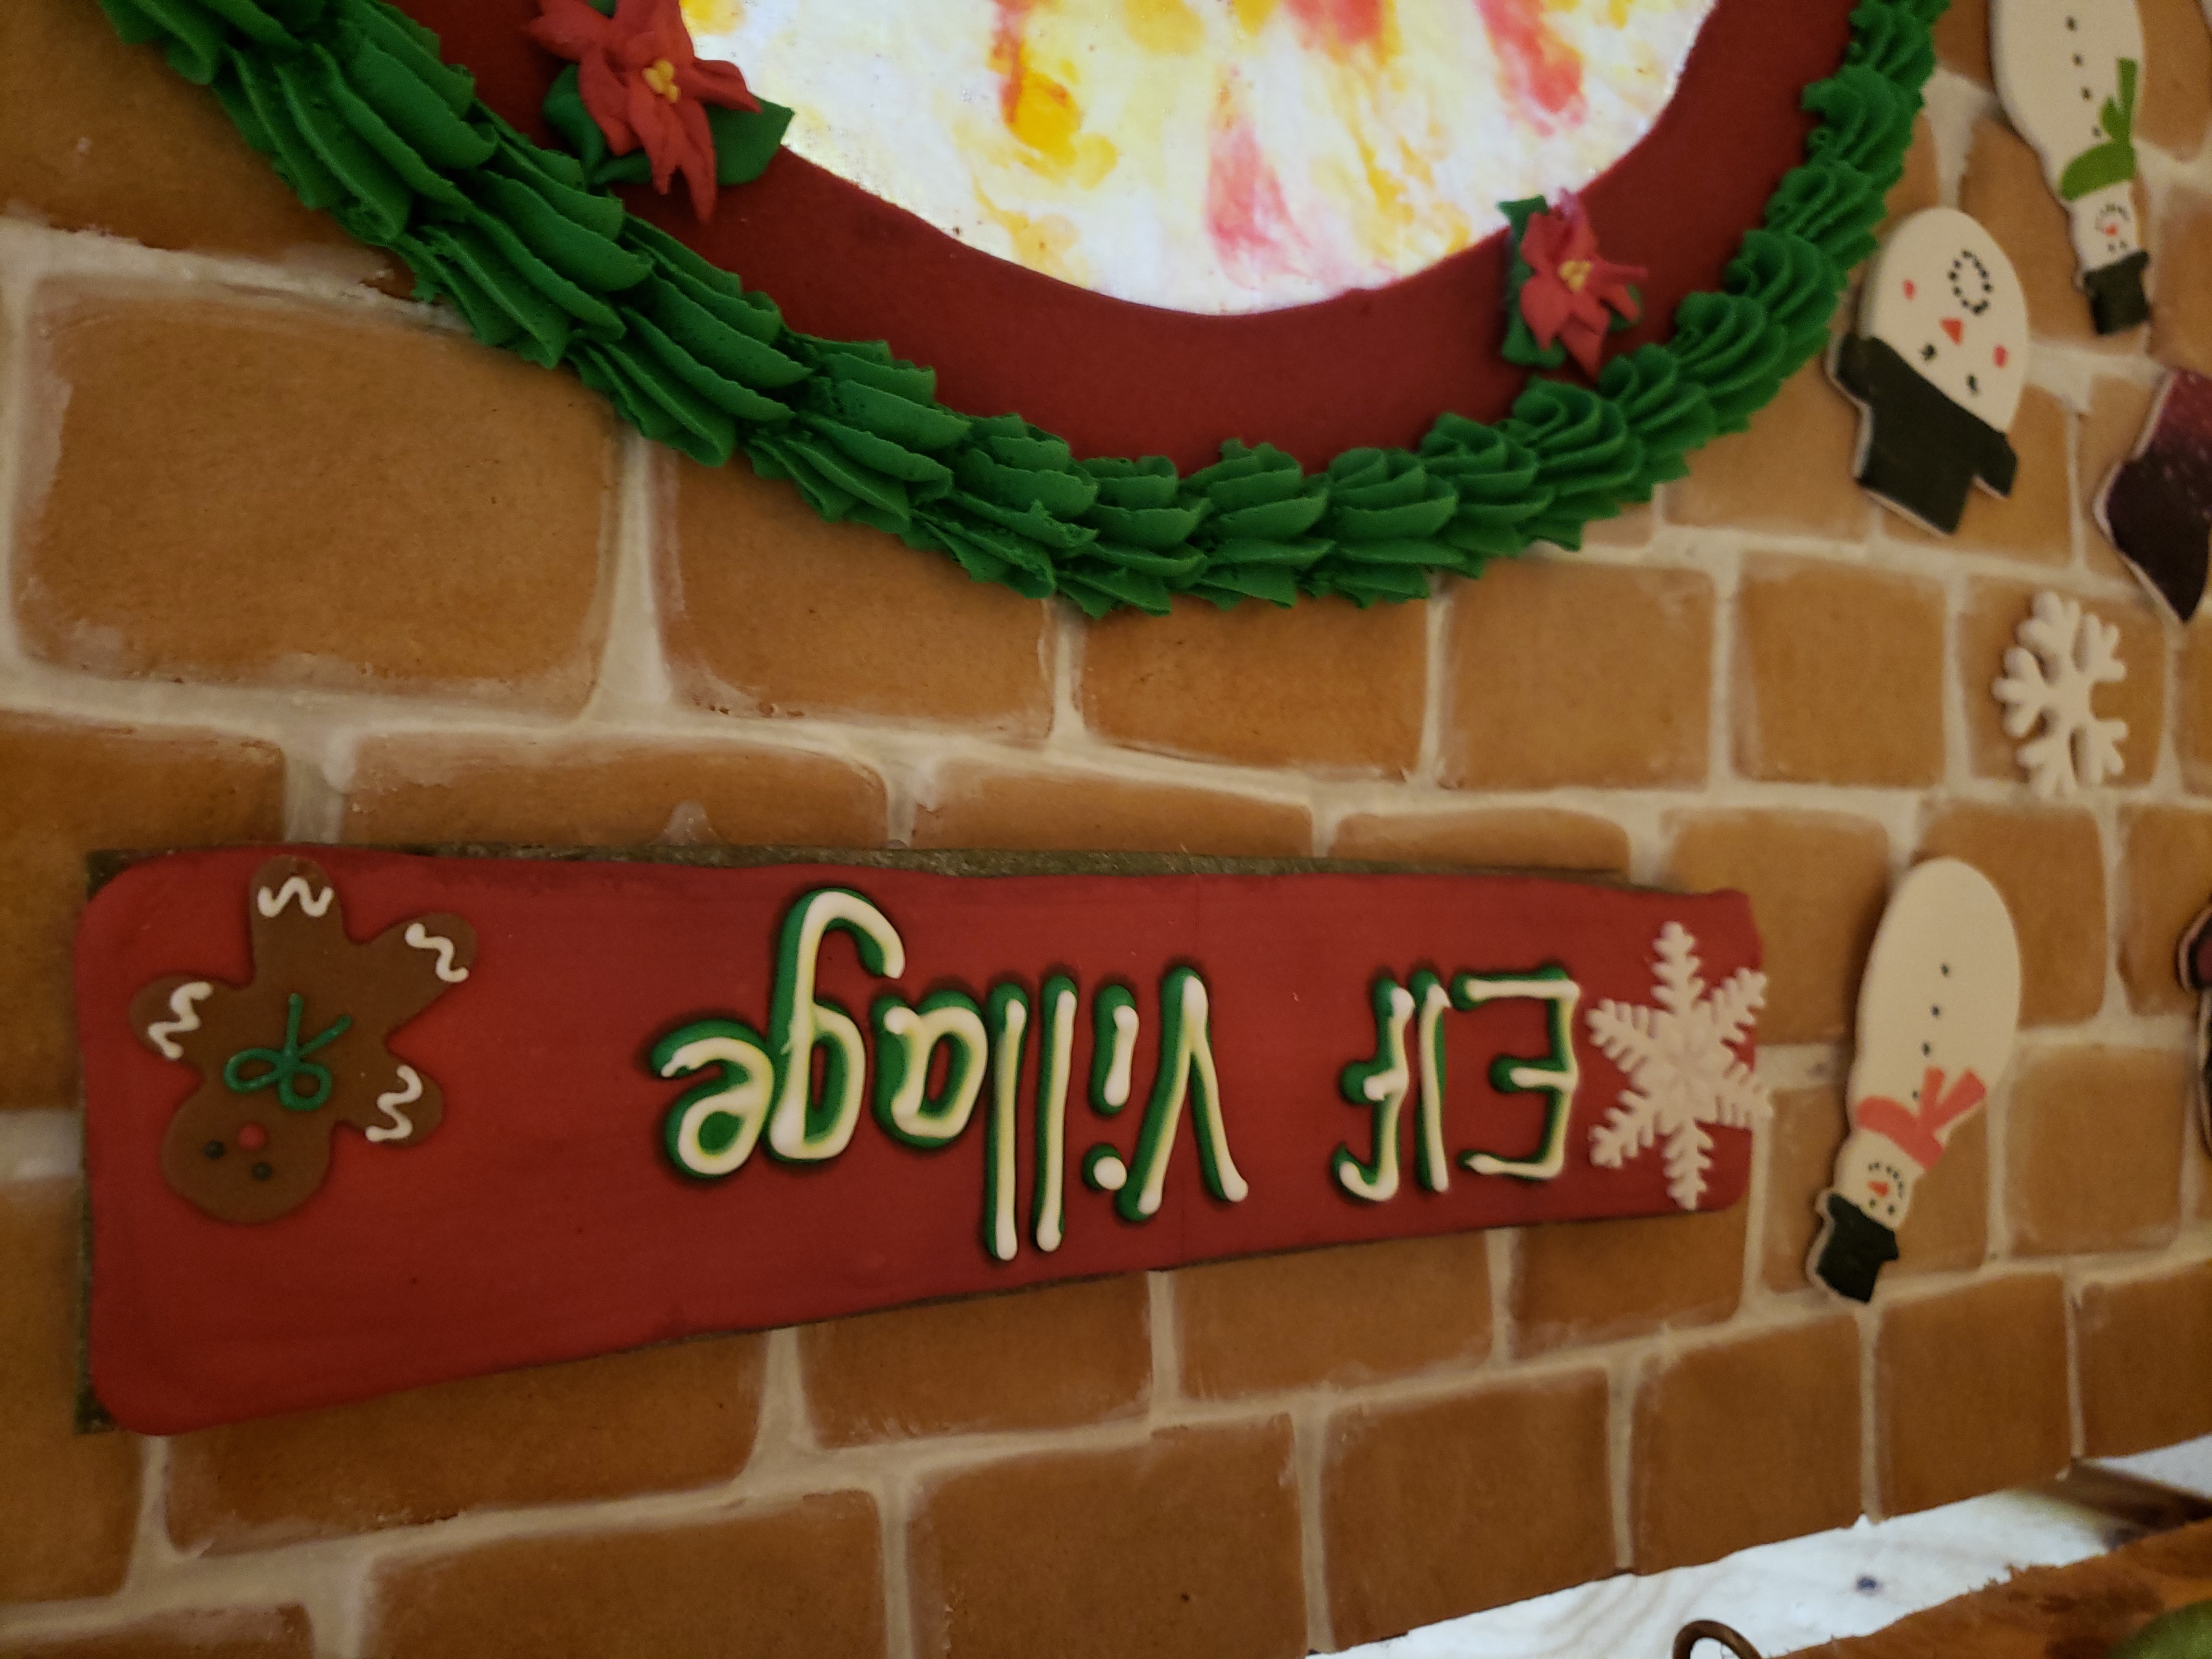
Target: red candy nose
[1955,329]
[1879,1189]
[2000,357]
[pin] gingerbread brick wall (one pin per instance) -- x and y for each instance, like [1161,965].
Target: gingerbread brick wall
[285,556]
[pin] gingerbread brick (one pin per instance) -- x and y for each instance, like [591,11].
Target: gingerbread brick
[662,1419]
[1188,1543]
[1350,1314]
[802,1580]
[69,1506]
[1445,1507]
[1741,1442]
[1499,838]
[1962,39]
[1788,473]
[67,789]
[1323,685]
[2094,1149]
[1814,639]
[1817,883]
[2145,1348]
[1971,1392]
[1598,1281]
[228,505]
[96,135]
[1921,185]
[2049,864]
[607,792]
[1566,673]
[766,608]
[2168,881]
[2181,316]
[2192,721]
[1042,1358]
[2177,90]
[972,804]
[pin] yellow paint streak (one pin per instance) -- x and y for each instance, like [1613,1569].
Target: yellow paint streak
[1169,28]
[712,16]
[1044,243]
[1048,122]
[1252,16]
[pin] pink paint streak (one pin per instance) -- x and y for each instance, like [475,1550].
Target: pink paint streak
[1542,73]
[1340,25]
[1246,215]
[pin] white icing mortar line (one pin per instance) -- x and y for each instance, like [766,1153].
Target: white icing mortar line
[41,1145]
[633,675]
[1309,1432]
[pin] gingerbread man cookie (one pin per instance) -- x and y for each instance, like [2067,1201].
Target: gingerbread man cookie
[285,1060]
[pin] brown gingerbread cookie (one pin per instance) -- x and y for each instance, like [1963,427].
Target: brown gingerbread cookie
[285,1060]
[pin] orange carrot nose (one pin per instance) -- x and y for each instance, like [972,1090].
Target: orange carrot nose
[1879,1189]
[1955,329]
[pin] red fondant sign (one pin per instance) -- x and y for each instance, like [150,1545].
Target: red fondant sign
[358,1122]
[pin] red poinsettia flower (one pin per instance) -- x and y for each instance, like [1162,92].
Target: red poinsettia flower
[643,85]
[1571,288]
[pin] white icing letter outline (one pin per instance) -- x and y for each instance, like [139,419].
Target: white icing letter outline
[1185,1047]
[1115,1094]
[423,940]
[1430,1162]
[408,1091]
[1010,1015]
[1556,1080]
[161,1032]
[744,1092]
[800,1022]
[1055,1061]
[918,1034]
[295,887]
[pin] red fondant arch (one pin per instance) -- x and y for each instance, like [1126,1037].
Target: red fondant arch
[1373,367]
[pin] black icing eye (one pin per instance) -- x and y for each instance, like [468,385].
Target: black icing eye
[262,1172]
[213,1149]
[1970,282]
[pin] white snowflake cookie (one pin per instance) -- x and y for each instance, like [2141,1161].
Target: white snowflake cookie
[1683,1073]
[2064,655]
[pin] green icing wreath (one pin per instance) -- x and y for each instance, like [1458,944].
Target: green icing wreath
[353,103]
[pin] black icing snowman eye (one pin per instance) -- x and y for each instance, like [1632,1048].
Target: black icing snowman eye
[1970,283]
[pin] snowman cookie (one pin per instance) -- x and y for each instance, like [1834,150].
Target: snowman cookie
[1938,1008]
[1936,366]
[2069,72]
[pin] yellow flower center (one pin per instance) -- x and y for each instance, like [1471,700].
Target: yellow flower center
[661,77]
[1574,273]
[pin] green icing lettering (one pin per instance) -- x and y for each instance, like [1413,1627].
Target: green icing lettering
[1185,1071]
[1112,1047]
[712,1129]
[284,1068]
[906,1041]
[1379,1086]
[801,1129]
[1552,1074]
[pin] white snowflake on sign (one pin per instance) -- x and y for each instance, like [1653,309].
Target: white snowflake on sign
[2064,655]
[1682,1072]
